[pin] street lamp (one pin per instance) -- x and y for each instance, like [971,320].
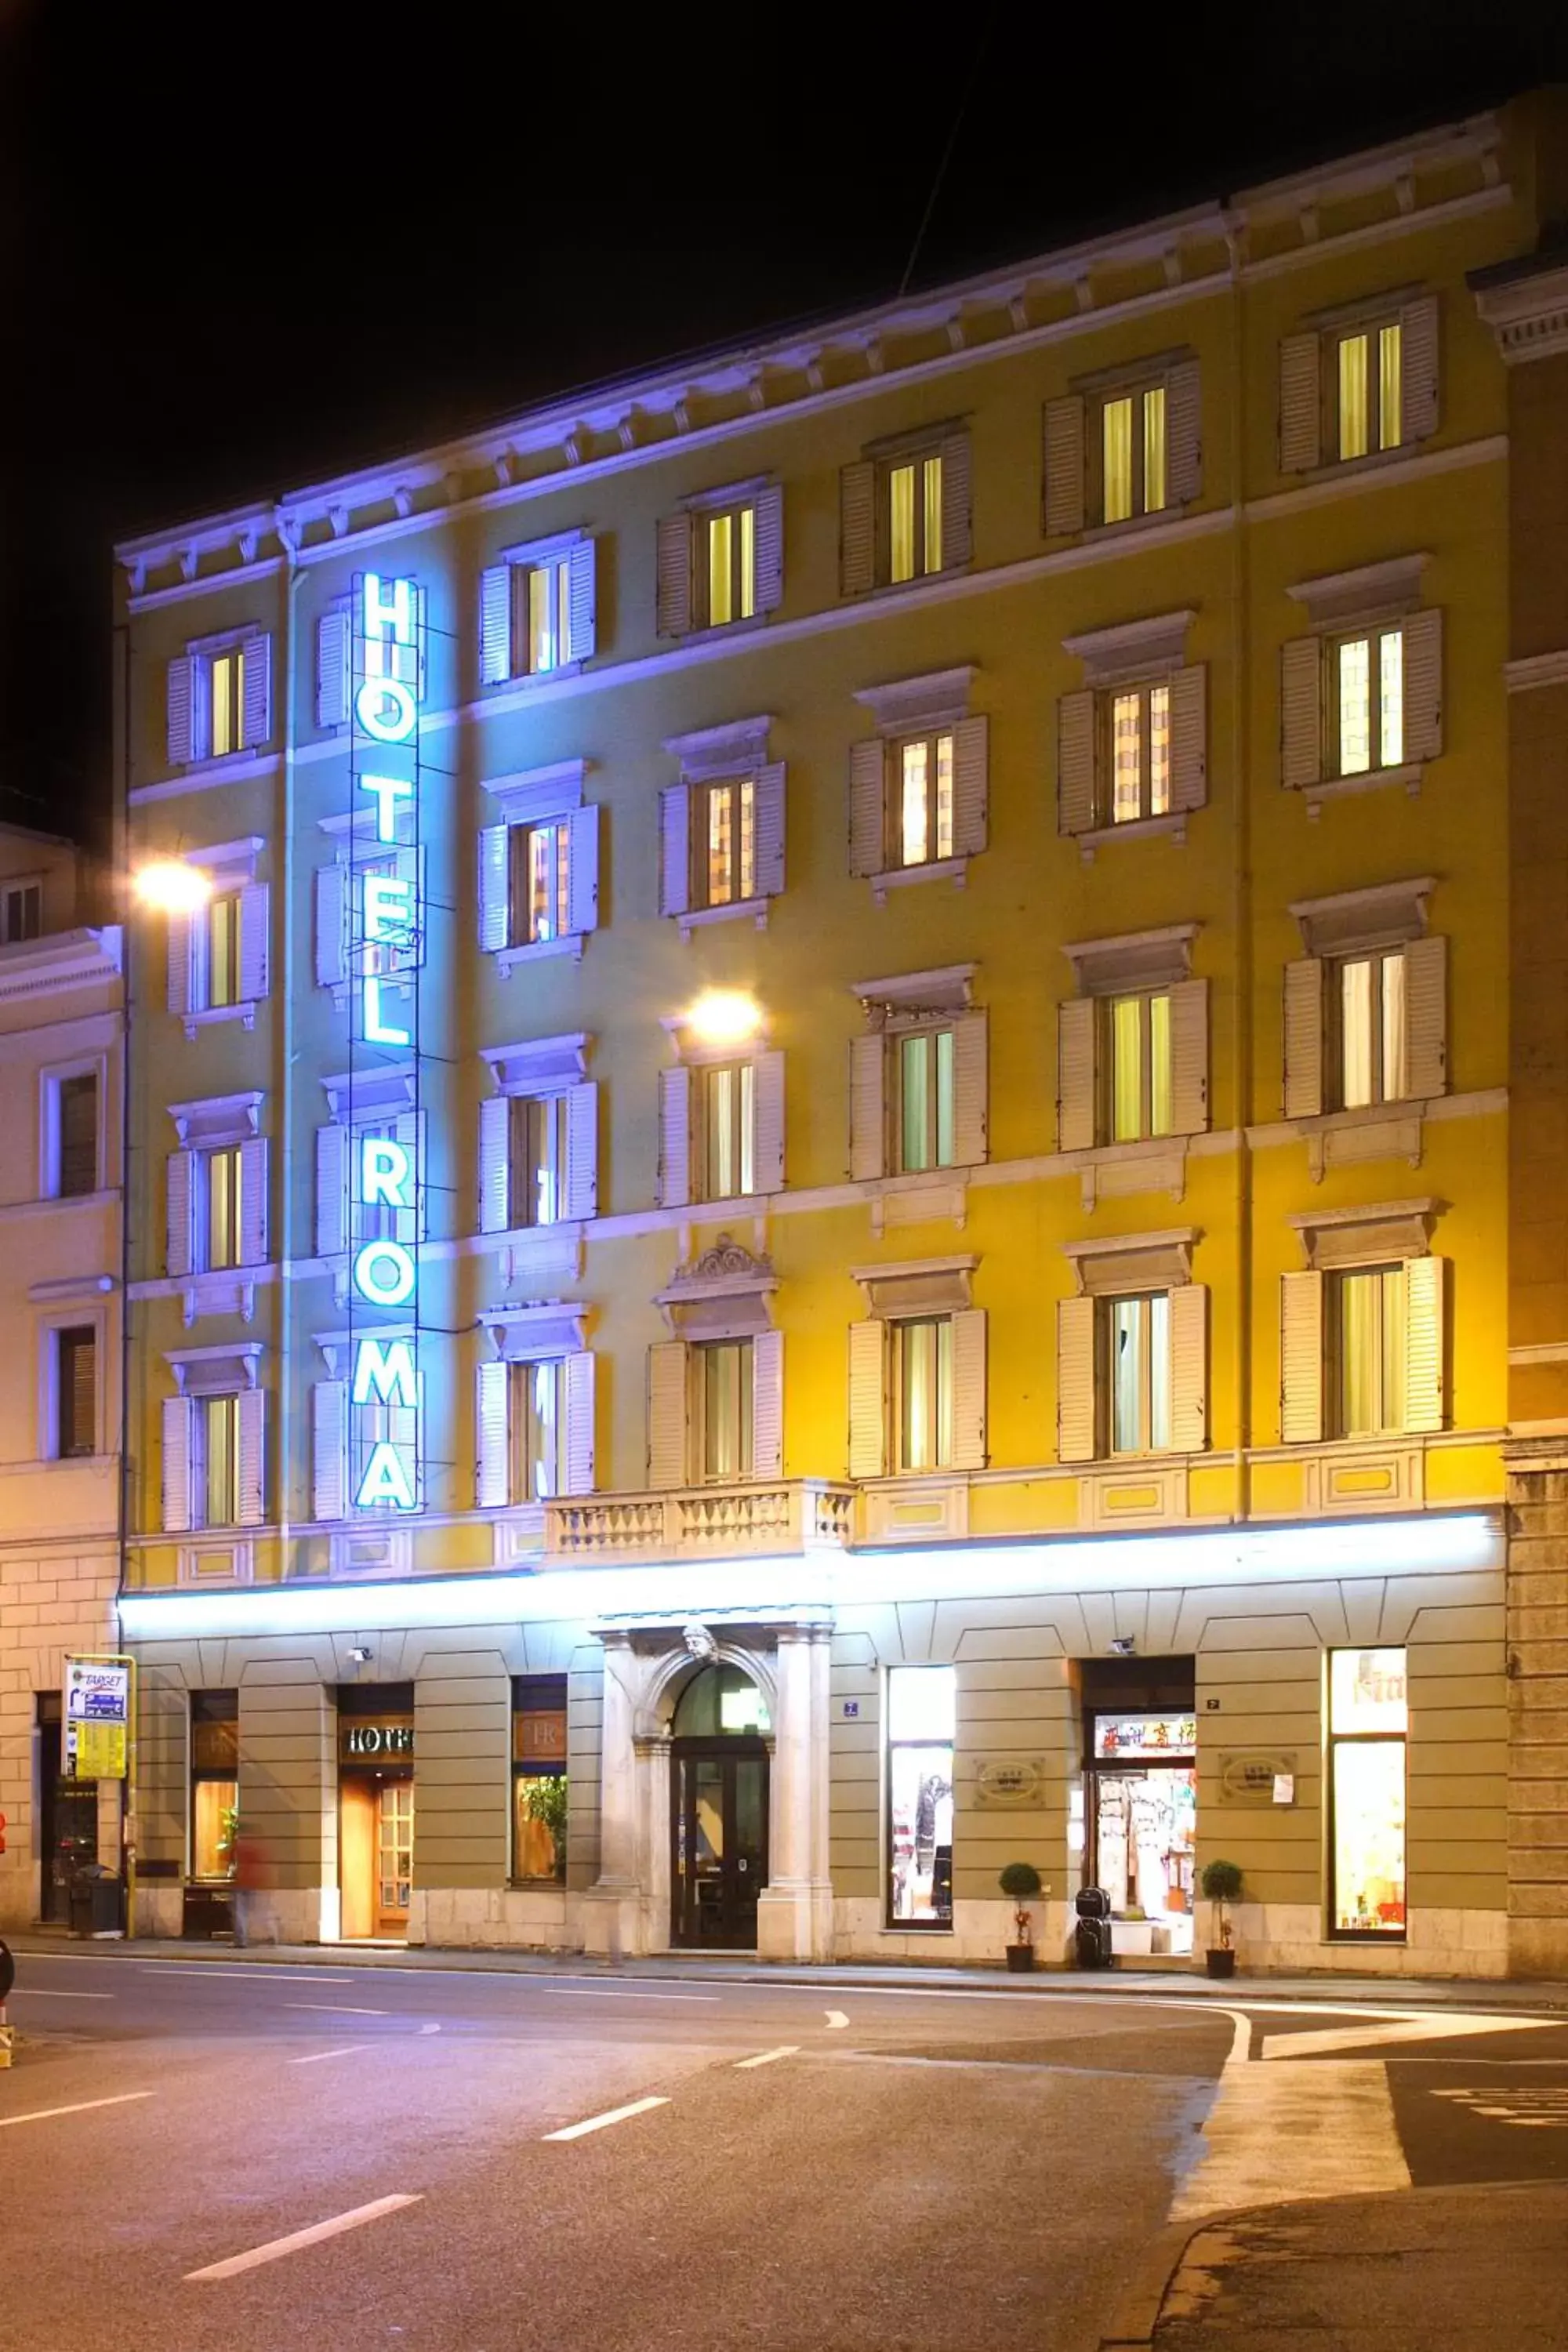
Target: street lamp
[724,1017]
[169,887]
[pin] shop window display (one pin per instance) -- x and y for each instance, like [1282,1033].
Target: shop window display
[922,1703]
[1145,1792]
[214,1782]
[1369,1721]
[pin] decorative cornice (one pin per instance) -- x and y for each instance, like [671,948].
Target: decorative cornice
[1534,670]
[1526,309]
[57,962]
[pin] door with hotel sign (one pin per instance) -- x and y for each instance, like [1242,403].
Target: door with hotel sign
[719,1808]
[375,1810]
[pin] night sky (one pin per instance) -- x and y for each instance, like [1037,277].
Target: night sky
[231,265]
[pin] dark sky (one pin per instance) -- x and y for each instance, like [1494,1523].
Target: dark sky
[241,248]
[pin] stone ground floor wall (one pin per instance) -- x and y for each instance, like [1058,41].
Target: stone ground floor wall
[56,1599]
[1538,1709]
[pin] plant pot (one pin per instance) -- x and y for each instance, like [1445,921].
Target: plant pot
[1021,1960]
[1221,1960]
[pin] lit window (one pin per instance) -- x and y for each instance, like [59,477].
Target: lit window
[214,1782]
[728,1098]
[1370,1000]
[731,567]
[925,1107]
[728,867]
[221,1208]
[1140,765]
[76,1392]
[1132,454]
[1368,1723]
[1138,1332]
[1369,700]
[540,907]
[1369,365]
[226,678]
[722,1372]
[214,1479]
[922,1712]
[922,1398]
[923,830]
[914,517]
[539,1749]
[1370,1307]
[537,1158]
[1139,1067]
[542,614]
[536,1429]
[223,949]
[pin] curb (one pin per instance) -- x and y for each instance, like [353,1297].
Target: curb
[1137,2316]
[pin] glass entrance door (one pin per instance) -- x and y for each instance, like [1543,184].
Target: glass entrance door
[719,1866]
[394,1856]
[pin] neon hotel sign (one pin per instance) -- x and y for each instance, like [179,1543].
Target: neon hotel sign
[388,916]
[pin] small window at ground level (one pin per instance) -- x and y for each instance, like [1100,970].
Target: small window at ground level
[923,1708]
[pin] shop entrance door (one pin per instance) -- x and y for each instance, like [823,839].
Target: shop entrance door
[375,1853]
[68,1823]
[395,1856]
[719,1862]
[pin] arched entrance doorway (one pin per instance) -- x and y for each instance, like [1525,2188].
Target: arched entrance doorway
[719,1811]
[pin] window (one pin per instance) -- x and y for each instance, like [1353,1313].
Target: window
[924,1127]
[536,1159]
[1117,450]
[923,1715]
[728,572]
[1137,1339]
[538,869]
[1138,765]
[720,559]
[1138,1065]
[21,912]
[537,609]
[1362,705]
[76,1392]
[904,511]
[728,1091]
[1132,473]
[913,494]
[1369,1312]
[539,1777]
[922,830]
[1132,742]
[214,1782]
[1369,1722]
[76,1112]
[1369,1032]
[727,863]
[223,949]
[721,828]
[220,697]
[1368,372]
[226,674]
[541,620]
[536,1429]
[541,902]
[216,1478]
[722,1373]
[922,1392]
[219,1209]
[1367,700]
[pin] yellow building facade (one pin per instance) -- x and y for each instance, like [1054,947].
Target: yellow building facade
[820,1161]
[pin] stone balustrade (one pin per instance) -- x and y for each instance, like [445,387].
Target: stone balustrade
[772,1516]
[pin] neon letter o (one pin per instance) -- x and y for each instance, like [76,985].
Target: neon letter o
[381,1290]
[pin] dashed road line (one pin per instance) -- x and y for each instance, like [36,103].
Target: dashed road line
[336,2009]
[265,1970]
[579,1992]
[790,2050]
[48,1992]
[78,2107]
[316,2056]
[602,2123]
[1524,2109]
[837,2018]
[299,2238]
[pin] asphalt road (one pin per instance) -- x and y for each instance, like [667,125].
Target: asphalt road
[805,2167]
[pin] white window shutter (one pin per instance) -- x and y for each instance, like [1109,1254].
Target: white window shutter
[1064,468]
[1076,1416]
[577,1381]
[333,640]
[176,1464]
[256,719]
[767,1405]
[768,1154]
[969,1389]
[1190,1056]
[867,1400]
[674,1138]
[181,1247]
[178,935]
[254,904]
[1425,1288]
[331,925]
[495,1139]
[495,624]
[495,911]
[1300,1358]
[583,626]
[408,868]
[1301,712]
[868,800]
[253,1201]
[675,849]
[332,1189]
[1075,763]
[770,808]
[867,1114]
[1189,1367]
[1426,1017]
[769,545]
[1419,369]
[181,703]
[969,1090]
[581,1191]
[329,1449]
[408,1131]
[1189,738]
[492,1451]
[582,870]
[857,527]
[667,1401]
[1300,404]
[252,1465]
[1183,434]
[1304,1038]
[1424,684]
[971,765]
[1076,1122]
[957,511]
[672,592]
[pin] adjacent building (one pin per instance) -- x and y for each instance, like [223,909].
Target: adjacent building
[820,1179]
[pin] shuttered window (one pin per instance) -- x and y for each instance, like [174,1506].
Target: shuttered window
[536,1136]
[1354,703]
[1358,388]
[723,1409]
[219,699]
[1367,1309]
[1136,1337]
[219,956]
[921,831]
[727,863]
[536,1429]
[721,561]
[924,1129]
[1369,1045]
[1138,1066]
[922,1392]
[728,566]
[1363,1350]
[1138,753]
[1129,752]
[216,1473]
[537,610]
[539,883]
[76,1392]
[1115,452]
[728,1094]
[919,800]
[905,513]
[223,949]
[1366,700]
[220,1208]
[1132,449]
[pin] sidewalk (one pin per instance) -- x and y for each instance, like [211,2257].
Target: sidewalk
[1242,1991]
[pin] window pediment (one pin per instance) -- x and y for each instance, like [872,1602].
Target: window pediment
[1131,648]
[933,1286]
[538,1065]
[723,1293]
[1373,592]
[1389,915]
[907,705]
[711,752]
[217,1119]
[542,551]
[1133,1262]
[1136,959]
[1366,1236]
[215,1371]
[338,1347]
[228,861]
[532,794]
[370,1093]
[916,995]
[523,1335]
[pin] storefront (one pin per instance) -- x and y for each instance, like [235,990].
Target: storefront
[719,1811]
[375,1810]
[1139,1728]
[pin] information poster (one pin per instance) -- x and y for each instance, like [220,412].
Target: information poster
[96,1707]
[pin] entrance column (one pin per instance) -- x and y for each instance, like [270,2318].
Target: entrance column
[612,1908]
[794,1910]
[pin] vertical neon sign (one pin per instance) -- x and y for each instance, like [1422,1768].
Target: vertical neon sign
[384,927]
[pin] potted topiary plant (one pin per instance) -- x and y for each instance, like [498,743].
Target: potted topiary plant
[1021,1882]
[1221,1883]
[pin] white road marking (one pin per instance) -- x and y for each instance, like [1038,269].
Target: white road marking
[336,2009]
[1409,2029]
[1525,2109]
[429,2029]
[265,1970]
[836,2017]
[790,2050]
[49,1992]
[316,2056]
[576,1992]
[299,2238]
[601,2123]
[81,2107]
[1277,2134]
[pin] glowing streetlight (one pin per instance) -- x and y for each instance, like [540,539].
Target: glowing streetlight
[169,887]
[724,1017]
